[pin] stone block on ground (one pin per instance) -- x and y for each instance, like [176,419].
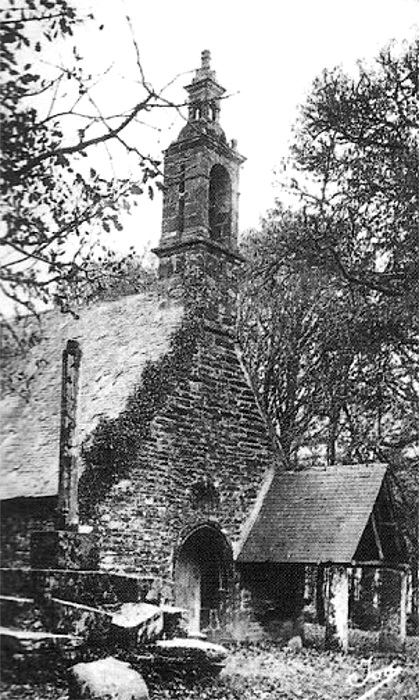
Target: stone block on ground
[106,679]
[137,623]
[190,653]
[295,644]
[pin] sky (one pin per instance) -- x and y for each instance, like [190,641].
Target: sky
[266,54]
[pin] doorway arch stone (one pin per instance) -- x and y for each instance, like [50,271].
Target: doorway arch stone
[203,575]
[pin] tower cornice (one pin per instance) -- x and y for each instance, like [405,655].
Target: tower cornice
[169,249]
[196,136]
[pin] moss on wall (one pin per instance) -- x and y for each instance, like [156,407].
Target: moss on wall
[112,448]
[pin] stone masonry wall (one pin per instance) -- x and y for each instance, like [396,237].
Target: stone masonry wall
[20,517]
[202,459]
[206,277]
[192,160]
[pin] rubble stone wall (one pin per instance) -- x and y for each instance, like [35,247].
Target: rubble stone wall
[19,518]
[202,460]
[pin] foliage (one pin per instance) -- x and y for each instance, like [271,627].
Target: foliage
[262,672]
[279,325]
[330,322]
[108,277]
[55,204]
[112,449]
[333,366]
[356,161]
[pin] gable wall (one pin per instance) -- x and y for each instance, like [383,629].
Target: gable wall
[209,427]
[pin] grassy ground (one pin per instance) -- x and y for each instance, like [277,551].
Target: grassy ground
[265,672]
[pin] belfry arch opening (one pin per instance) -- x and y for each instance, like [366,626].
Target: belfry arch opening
[203,578]
[220,204]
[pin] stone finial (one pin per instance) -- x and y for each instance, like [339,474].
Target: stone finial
[206,59]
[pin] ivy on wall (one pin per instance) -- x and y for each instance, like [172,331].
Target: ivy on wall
[111,450]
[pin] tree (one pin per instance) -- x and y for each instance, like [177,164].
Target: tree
[110,276]
[331,364]
[356,161]
[342,267]
[54,200]
[335,371]
[280,324]
[355,155]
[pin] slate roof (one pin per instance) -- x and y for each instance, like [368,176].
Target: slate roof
[116,338]
[314,515]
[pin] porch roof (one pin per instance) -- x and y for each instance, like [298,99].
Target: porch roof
[313,516]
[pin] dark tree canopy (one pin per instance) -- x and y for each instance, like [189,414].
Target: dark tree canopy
[333,365]
[329,312]
[356,156]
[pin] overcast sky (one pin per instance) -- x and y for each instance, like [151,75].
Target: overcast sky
[266,53]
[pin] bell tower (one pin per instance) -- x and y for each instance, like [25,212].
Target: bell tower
[198,244]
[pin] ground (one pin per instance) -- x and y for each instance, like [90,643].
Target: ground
[265,672]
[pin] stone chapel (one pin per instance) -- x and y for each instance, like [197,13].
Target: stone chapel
[141,449]
[166,444]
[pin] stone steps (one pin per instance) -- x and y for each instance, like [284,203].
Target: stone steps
[91,623]
[95,588]
[18,640]
[47,624]
[16,582]
[26,654]
[20,613]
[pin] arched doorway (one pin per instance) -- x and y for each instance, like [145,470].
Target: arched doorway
[220,204]
[203,578]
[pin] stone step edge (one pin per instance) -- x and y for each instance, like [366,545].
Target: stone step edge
[16,599]
[29,634]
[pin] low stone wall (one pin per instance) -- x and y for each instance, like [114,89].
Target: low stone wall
[271,603]
[94,588]
[19,518]
[16,582]
[64,549]
[92,624]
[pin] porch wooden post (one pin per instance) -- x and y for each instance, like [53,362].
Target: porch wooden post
[336,608]
[68,473]
[393,595]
